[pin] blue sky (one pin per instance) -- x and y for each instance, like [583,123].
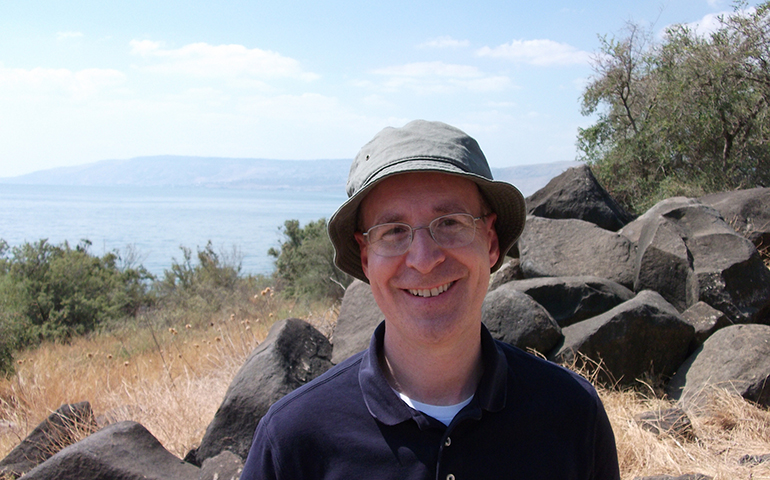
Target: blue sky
[82,81]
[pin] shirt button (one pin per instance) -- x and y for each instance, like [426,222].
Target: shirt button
[448,442]
[450,477]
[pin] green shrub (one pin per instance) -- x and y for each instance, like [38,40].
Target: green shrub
[304,264]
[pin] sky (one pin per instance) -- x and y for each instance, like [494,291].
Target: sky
[83,81]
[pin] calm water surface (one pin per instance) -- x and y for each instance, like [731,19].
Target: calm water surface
[156,221]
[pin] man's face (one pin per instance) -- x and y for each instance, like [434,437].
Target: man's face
[429,294]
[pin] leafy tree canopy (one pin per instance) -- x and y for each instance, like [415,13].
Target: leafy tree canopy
[686,115]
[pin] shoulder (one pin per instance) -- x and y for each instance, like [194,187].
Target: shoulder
[338,383]
[534,374]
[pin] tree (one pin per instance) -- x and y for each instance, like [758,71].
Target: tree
[304,264]
[685,116]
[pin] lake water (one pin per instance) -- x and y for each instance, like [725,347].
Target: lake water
[155,221]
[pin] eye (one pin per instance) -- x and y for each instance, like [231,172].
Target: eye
[389,232]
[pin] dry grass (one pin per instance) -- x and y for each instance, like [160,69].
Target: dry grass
[173,383]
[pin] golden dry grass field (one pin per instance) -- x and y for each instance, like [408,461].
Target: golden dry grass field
[172,381]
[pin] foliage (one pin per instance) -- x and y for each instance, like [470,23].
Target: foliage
[52,292]
[304,264]
[684,116]
[205,286]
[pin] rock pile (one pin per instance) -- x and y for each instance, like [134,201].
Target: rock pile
[680,292]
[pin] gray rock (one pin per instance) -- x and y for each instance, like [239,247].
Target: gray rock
[633,230]
[673,422]
[706,320]
[747,211]
[225,466]
[735,358]
[60,429]
[576,194]
[687,253]
[515,318]
[359,316]
[645,334]
[292,354]
[511,270]
[122,451]
[568,248]
[573,299]
[664,264]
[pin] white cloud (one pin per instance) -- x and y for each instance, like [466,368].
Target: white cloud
[537,52]
[710,23]
[445,42]
[61,36]
[440,77]
[40,82]
[219,61]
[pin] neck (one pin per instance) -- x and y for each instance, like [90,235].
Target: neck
[437,375]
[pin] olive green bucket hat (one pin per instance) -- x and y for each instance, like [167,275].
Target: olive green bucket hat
[422,146]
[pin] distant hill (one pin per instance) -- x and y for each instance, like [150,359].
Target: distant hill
[169,170]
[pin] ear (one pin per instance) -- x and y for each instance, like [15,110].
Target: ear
[493,241]
[364,252]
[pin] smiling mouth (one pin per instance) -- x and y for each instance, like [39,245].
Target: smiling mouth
[432,292]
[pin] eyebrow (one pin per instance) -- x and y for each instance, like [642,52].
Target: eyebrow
[443,208]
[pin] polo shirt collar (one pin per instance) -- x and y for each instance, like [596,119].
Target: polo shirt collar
[385,406]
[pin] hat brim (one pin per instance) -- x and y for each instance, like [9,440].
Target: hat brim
[504,199]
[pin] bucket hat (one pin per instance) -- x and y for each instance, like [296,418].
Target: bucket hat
[422,146]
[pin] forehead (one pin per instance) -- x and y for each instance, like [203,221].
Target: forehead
[408,196]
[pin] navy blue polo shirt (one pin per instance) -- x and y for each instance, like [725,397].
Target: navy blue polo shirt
[529,419]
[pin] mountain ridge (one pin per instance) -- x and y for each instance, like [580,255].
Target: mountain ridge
[245,173]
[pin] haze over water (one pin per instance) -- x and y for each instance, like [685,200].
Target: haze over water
[157,220]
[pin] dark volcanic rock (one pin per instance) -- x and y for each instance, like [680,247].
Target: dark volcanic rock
[576,194]
[645,334]
[736,358]
[514,317]
[122,451]
[59,430]
[359,316]
[706,320]
[573,299]
[747,211]
[292,354]
[569,248]
[672,421]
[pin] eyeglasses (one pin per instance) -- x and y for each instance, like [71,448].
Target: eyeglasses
[455,230]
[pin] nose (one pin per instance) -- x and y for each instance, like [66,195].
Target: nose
[424,253]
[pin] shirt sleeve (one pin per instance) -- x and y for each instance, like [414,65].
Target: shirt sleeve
[260,463]
[605,451]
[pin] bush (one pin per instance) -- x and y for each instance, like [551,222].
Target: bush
[304,264]
[52,292]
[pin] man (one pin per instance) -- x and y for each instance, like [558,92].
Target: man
[434,396]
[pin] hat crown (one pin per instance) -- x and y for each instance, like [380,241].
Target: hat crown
[418,140]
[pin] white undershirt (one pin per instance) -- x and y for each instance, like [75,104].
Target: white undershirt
[442,413]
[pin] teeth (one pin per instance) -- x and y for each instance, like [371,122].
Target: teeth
[430,292]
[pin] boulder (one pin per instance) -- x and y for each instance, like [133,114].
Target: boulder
[687,253]
[359,316]
[747,211]
[706,320]
[664,264]
[633,230]
[510,270]
[515,318]
[645,334]
[566,248]
[62,428]
[576,194]
[225,466]
[573,299]
[292,354]
[735,358]
[122,451]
